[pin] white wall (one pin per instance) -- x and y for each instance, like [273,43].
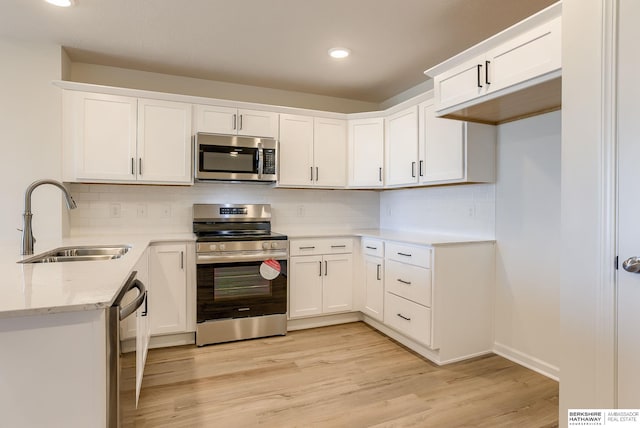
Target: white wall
[528,257]
[459,210]
[30,135]
[126,78]
[169,208]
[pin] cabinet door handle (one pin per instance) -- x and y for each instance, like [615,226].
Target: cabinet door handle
[145,311]
[486,72]
[420,172]
[317,174]
[380,174]
[479,68]
[311,169]
[371,248]
[234,122]
[326,268]
[240,128]
[338,246]
[306,248]
[413,169]
[182,260]
[378,272]
[320,263]
[403,317]
[139,166]
[403,281]
[133,166]
[404,254]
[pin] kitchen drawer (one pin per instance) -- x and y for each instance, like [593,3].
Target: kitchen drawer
[411,254]
[372,247]
[408,318]
[410,282]
[313,246]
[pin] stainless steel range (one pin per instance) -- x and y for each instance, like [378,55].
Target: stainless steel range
[241,273]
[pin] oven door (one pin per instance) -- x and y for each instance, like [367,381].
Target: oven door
[240,290]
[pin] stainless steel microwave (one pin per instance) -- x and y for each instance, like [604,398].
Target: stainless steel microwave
[235,158]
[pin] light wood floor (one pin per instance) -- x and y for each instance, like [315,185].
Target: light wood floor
[341,376]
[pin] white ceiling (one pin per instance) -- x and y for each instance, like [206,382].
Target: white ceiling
[270,43]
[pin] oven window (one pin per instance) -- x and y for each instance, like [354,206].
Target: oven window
[228,159]
[236,282]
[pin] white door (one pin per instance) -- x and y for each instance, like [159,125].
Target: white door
[216,119]
[168,301]
[374,287]
[402,147]
[305,286]
[296,150]
[257,123]
[330,152]
[366,152]
[164,141]
[628,310]
[104,134]
[441,147]
[337,291]
[460,84]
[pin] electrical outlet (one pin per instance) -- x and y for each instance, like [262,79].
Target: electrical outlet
[165,211]
[114,210]
[141,210]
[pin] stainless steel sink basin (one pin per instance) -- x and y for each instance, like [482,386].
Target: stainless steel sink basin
[79,254]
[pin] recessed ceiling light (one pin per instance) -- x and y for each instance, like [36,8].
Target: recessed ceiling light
[339,53]
[61,3]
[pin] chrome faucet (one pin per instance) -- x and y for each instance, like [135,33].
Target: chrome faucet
[27,232]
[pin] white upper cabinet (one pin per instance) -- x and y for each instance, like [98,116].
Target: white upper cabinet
[453,151]
[101,132]
[366,152]
[228,120]
[521,66]
[296,150]
[312,152]
[164,141]
[110,138]
[402,147]
[329,152]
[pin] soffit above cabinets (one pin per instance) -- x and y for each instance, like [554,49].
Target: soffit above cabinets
[271,44]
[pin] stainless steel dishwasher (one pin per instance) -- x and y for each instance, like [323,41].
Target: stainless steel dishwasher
[121,397]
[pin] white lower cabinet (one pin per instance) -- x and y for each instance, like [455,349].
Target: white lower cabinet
[426,301]
[168,299]
[321,282]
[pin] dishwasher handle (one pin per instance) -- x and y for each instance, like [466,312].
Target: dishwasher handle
[132,283]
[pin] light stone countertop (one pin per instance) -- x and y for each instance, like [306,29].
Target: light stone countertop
[417,238]
[41,288]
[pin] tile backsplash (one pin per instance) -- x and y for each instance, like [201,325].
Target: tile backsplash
[104,208]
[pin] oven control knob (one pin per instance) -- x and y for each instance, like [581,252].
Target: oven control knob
[222,247]
[265,245]
[274,245]
[212,247]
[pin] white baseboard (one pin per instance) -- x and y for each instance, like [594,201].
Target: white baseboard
[533,363]
[323,321]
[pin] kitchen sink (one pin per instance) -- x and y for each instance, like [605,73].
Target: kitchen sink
[80,254]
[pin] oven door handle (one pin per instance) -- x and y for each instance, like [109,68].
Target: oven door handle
[205,259]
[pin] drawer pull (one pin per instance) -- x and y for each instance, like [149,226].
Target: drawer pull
[371,248]
[403,281]
[403,317]
[338,246]
[404,254]
[306,248]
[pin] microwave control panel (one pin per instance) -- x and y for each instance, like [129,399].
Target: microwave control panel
[269,163]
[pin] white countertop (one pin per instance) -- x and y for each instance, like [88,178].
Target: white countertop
[419,238]
[40,288]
